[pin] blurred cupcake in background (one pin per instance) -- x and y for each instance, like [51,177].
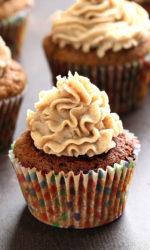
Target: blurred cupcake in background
[13,21]
[108,41]
[75,162]
[12,84]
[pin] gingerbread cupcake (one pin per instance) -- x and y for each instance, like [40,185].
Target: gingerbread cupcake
[13,21]
[12,85]
[75,162]
[107,41]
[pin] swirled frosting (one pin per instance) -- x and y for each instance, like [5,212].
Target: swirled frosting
[5,55]
[73,119]
[101,25]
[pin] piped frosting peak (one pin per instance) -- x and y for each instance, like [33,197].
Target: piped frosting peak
[73,119]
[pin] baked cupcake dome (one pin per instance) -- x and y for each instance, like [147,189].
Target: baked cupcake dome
[120,68]
[12,85]
[69,183]
[13,22]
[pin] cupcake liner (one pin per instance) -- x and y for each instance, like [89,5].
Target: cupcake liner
[13,30]
[126,85]
[9,109]
[76,201]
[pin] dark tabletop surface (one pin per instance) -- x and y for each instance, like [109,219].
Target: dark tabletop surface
[18,229]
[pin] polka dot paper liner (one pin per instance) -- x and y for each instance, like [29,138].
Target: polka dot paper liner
[76,201]
[13,30]
[126,85]
[9,109]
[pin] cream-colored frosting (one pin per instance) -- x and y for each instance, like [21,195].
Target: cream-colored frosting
[73,119]
[5,55]
[101,25]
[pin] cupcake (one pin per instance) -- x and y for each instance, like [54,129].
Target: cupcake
[13,21]
[107,41]
[12,84]
[75,162]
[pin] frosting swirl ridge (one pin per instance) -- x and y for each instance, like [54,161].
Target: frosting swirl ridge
[73,119]
[101,25]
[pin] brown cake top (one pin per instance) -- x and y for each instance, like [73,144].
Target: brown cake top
[78,57]
[12,80]
[10,7]
[30,156]
[141,1]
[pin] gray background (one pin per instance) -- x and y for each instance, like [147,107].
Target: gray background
[18,229]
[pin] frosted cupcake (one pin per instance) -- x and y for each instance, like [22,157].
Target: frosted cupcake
[75,162]
[13,21]
[108,41]
[12,84]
